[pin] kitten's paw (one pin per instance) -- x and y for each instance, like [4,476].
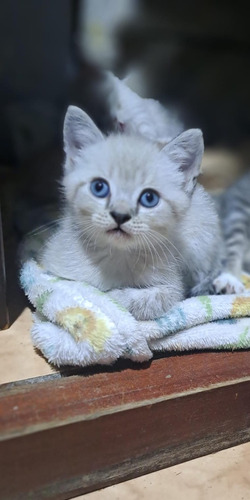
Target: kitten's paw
[137,302]
[227,283]
[145,304]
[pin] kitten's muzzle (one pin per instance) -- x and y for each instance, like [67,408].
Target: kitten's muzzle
[120,218]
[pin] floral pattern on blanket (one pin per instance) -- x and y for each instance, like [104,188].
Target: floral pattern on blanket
[83,324]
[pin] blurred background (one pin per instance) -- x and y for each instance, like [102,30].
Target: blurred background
[192,56]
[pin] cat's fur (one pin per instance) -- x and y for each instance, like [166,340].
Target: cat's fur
[161,254]
[139,115]
[234,210]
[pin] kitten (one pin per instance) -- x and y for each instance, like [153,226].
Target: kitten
[140,116]
[136,224]
[234,209]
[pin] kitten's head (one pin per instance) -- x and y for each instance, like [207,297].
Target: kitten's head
[124,191]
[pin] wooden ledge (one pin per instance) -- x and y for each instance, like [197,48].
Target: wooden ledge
[61,436]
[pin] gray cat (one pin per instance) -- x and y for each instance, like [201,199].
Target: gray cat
[136,223]
[234,210]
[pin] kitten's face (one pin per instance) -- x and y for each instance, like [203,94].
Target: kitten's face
[123,191]
[122,195]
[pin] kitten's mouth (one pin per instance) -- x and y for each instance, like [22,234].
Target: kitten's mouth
[119,232]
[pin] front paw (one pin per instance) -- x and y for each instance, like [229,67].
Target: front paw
[144,304]
[227,283]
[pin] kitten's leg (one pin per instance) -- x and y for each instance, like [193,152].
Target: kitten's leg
[204,286]
[247,259]
[229,280]
[149,303]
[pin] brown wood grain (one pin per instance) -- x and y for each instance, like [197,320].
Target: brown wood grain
[65,436]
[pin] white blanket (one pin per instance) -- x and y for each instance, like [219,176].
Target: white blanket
[76,324]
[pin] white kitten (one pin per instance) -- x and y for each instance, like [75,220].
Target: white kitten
[135,224]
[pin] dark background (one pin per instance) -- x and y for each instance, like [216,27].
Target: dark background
[195,57]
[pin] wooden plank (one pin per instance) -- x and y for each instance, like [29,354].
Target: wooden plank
[66,436]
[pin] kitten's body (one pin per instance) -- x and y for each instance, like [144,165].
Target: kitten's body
[158,255]
[234,210]
[139,115]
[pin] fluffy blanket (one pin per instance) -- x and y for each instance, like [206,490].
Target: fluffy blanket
[76,324]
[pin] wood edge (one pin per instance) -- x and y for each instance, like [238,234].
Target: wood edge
[126,471]
[24,430]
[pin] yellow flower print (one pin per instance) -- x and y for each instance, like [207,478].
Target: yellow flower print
[83,324]
[241,307]
[245,278]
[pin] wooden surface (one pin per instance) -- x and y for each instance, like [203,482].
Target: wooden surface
[19,359]
[219,476]
[62,436]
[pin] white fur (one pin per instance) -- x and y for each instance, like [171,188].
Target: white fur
[141,116]
[163,250]
[228,283]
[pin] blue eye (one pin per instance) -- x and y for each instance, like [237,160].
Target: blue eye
[100,188]
[149,198]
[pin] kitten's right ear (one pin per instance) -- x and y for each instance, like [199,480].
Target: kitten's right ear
[79,131]
[186,151]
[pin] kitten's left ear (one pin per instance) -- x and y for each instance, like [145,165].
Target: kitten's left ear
[79,131]
[186,152]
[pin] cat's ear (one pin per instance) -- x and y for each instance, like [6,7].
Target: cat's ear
[79,131]
[186,151]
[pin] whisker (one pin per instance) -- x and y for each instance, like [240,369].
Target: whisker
[164,248]
[145,251]
[179,260]
[147,242]
[138,245]
[88,234]
[43,228]
[166,256]
[150,245]
[172,244]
